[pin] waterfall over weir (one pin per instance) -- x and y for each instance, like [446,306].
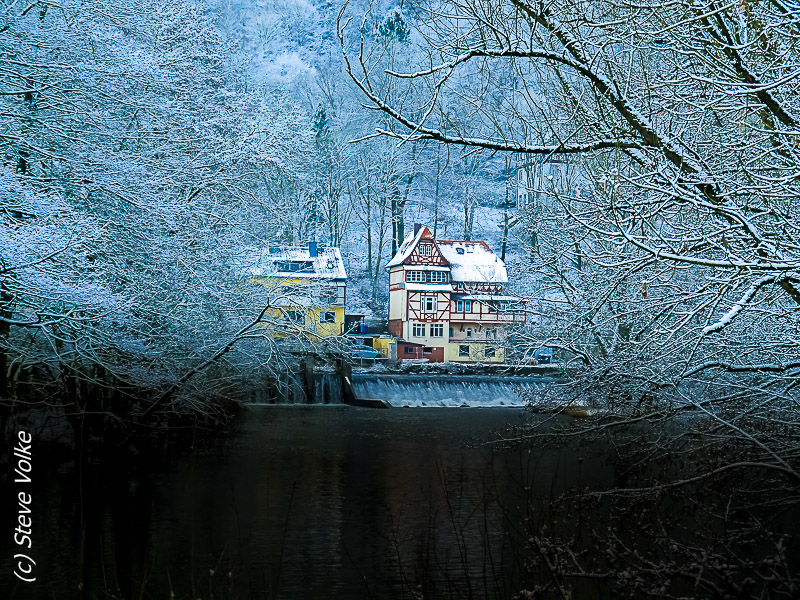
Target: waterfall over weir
[446,390]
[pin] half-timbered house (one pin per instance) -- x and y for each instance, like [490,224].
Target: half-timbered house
[449,296]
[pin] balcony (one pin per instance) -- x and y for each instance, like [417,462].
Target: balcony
[504,317]
[486,308]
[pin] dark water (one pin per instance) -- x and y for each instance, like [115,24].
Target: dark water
[315,502]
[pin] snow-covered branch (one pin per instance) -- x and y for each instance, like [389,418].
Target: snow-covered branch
[740,305]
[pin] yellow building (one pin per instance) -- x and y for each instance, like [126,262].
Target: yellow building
[386,345]
[306,289]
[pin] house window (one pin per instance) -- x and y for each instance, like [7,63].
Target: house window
[427,350]
[418,330]
[498,306]
[425,249]
[489,332]
[415,276]
[467,305]
[437,330]
[469,332]
[327,317]
[429,304]
[459,306]
[290,291]
[489,352]
[438,276]
[327,296]
[451,332]
[463,350]
[295,316]
[459,251]
[409,350]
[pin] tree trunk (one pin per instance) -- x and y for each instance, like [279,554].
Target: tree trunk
[5,329]
[436,194]
[401,227]
[469,218]
[505,209]
[505,232]
[379,254]
[369,246]
[394,225]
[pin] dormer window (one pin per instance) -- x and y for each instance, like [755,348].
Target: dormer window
[287,266]
[459,251]
[426,249]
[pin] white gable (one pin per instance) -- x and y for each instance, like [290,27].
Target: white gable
[406,248]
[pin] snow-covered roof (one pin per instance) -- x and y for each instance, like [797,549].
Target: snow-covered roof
[472,262]
[295,261]
[405,249]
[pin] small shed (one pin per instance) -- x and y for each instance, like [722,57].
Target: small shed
[409,350]
[354,323]
[386,345]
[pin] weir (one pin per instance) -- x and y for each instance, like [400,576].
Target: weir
[402,390]
[446,390]
[293,388]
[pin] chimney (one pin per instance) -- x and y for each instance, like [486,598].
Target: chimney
[417,227]
[312,249]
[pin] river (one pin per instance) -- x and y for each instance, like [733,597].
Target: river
[332,502]
[312,502]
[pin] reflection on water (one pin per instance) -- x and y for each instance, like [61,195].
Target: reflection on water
[302,502]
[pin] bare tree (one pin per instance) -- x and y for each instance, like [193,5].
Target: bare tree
[134,162]
[685,119]
[670,273]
